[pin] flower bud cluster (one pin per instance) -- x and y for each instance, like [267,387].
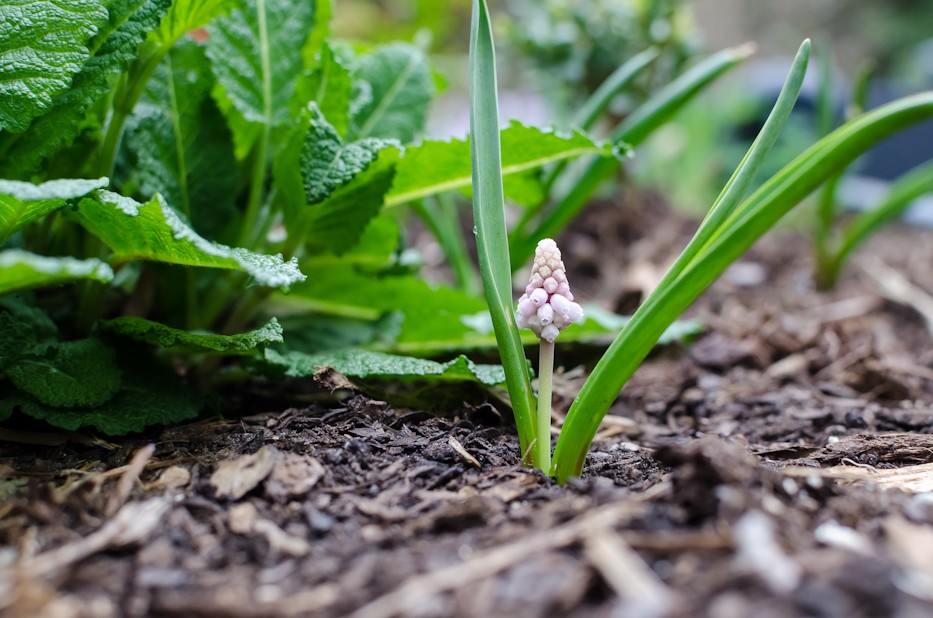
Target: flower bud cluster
[547,305]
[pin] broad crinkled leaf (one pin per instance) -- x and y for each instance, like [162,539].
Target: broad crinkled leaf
[37,320]
[164,336]
[398,88]
[16,338]
[365,364]
[257,61]
[338,222]
[43,44]
[330,87]
[24,202]
[65,374]
[431,314]
[186,15]
[438,166]
[150,395]
[153,231]
[179,144]
[21,270]
[112,49]
[327,162]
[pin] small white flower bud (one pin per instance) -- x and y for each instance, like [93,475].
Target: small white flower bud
[526,307]
[574,313]
[545,314]
[550,285]
[521,320]
[538,297]
[549,333]
[560,305]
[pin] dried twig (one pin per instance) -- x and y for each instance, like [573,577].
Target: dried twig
[627,573]
[125,485]
[132,523]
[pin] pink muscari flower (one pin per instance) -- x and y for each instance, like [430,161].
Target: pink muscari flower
[547,306]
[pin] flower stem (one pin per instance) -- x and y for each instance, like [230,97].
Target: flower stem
[545,373]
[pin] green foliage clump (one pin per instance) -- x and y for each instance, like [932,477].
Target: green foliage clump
[178,167]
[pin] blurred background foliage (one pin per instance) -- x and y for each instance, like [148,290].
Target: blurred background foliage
[554,53]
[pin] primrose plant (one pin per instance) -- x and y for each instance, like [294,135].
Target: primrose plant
[734,222]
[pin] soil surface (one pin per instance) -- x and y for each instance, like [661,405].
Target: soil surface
[781,465]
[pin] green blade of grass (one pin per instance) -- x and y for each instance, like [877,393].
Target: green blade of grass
[489,217]
[592,109]
[742,228]
[618,81]
[631,132]
[903,191]
[740,181]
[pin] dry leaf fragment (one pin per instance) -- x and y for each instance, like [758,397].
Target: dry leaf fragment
[235,478]
[293,475]
[173,477]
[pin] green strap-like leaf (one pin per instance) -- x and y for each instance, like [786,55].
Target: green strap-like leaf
[21,270]
[112,49]
[153,231]
[396,89]
[43,44]
[164,336]
[439,166]
[23,202]
[748,222]
[489,216]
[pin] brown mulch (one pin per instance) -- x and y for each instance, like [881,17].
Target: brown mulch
[781,465]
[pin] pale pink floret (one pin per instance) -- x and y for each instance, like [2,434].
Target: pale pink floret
[538,297]
[547,305]
[549,333]
[526,307]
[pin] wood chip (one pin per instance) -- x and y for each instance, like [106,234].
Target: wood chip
[244,519]
[458,448]
[912,546]
[910,479]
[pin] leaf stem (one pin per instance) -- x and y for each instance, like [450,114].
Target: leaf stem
[123,104]
[248,233]
[545,375]
[440,215]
